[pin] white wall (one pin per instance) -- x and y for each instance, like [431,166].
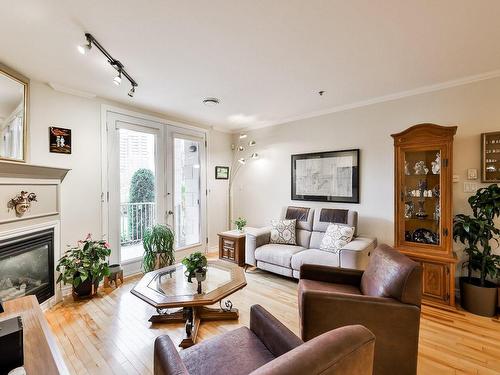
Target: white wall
[263,187]
[81,190]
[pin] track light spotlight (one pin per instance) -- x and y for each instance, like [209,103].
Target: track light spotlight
[242,161]
[254,155]
[241,148]
[118,79]
[131,92]
[243,136]
[83,48]
[252,143]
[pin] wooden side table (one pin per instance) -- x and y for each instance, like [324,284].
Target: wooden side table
[232,246]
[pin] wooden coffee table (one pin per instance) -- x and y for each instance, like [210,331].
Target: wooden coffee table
[168,288]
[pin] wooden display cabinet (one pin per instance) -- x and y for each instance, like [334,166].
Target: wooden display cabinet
[490,157]
[423,206]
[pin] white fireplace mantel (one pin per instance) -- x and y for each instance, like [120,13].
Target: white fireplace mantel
[31,171]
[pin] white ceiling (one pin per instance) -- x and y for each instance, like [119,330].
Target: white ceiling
[265,60]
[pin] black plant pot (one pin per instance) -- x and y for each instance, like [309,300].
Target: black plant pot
[477,299]
[86,289]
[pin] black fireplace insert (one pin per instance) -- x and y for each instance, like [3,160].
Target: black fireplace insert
[27,266]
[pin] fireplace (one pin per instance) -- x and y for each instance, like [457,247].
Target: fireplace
[27,266]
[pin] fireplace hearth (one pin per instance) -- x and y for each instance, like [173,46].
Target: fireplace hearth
[27,266]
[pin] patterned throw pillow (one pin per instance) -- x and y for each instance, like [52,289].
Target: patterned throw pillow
[283,232]
[336,237]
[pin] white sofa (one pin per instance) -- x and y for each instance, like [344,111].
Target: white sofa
[311,226]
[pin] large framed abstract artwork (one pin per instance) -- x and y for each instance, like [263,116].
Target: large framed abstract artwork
[331,176]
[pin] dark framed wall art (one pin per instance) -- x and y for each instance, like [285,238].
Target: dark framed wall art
[221,173]
[59,140]
[331,176]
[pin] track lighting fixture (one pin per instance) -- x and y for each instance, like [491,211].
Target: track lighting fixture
[254,155]
[132,91]
[243,136]
[242,161]
[116,64]
[118,79]
[241,148]
[252,143]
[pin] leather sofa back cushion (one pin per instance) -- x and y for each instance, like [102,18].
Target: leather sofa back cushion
[303,215]
[392,274]
[325,216]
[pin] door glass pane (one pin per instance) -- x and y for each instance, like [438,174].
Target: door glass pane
[137,190]
[187,192]
[421,192]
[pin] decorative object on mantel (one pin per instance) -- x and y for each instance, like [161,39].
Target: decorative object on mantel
[240,223]
[84,266]
[239,160]
[14,102]
[478,233]
[59,140]
[490,157]
[221,173]
[158,243]
[21,203]
[196,266]
[331,176]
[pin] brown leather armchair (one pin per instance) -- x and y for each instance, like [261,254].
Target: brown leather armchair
[385,298]
[269,348]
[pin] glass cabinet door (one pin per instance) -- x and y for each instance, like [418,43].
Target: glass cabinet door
[421,197]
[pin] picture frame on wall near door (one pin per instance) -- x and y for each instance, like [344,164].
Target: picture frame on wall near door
[221,173]
[331,176]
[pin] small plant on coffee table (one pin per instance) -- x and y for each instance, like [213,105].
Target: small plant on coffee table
[196,263]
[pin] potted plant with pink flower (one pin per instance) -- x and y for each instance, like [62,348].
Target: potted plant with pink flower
[84,266]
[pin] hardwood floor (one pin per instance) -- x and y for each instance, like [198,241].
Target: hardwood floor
[110,334]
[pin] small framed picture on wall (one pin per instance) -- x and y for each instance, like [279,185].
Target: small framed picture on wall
[59,140]
[221,173]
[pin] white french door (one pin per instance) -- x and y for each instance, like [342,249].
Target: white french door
[156,174]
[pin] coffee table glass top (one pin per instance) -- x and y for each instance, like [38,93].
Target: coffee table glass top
[172,281]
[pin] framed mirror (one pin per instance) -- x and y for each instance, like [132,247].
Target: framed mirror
[14,99]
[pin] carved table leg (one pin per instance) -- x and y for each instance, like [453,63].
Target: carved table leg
[164,316]
[192,326]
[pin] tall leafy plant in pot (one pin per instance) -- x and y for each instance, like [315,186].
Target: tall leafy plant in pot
[158,243]
[478,232]
[84,266]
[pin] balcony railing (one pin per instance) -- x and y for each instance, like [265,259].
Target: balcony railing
[135,218]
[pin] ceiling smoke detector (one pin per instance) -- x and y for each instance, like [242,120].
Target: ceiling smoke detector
[211,102]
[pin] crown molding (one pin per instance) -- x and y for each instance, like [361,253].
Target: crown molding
[381,99]
[69,90]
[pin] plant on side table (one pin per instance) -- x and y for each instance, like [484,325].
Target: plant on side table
[84,266]
[196,266]
[158,243]
[240,223]
[478,232]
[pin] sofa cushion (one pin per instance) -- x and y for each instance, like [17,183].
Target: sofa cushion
[326,216]
[212,356]
[283,232]
[306,285]
[278,254]
[314,256]
[336,237]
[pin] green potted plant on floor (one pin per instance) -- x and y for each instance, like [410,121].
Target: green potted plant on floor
[196,266]
[478,233]
[158,243]
[84,266]
[240,223]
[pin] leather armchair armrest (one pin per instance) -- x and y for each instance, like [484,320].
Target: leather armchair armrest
[255,237]
[329,274]
[343,351]
[273,334]
[166,358]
